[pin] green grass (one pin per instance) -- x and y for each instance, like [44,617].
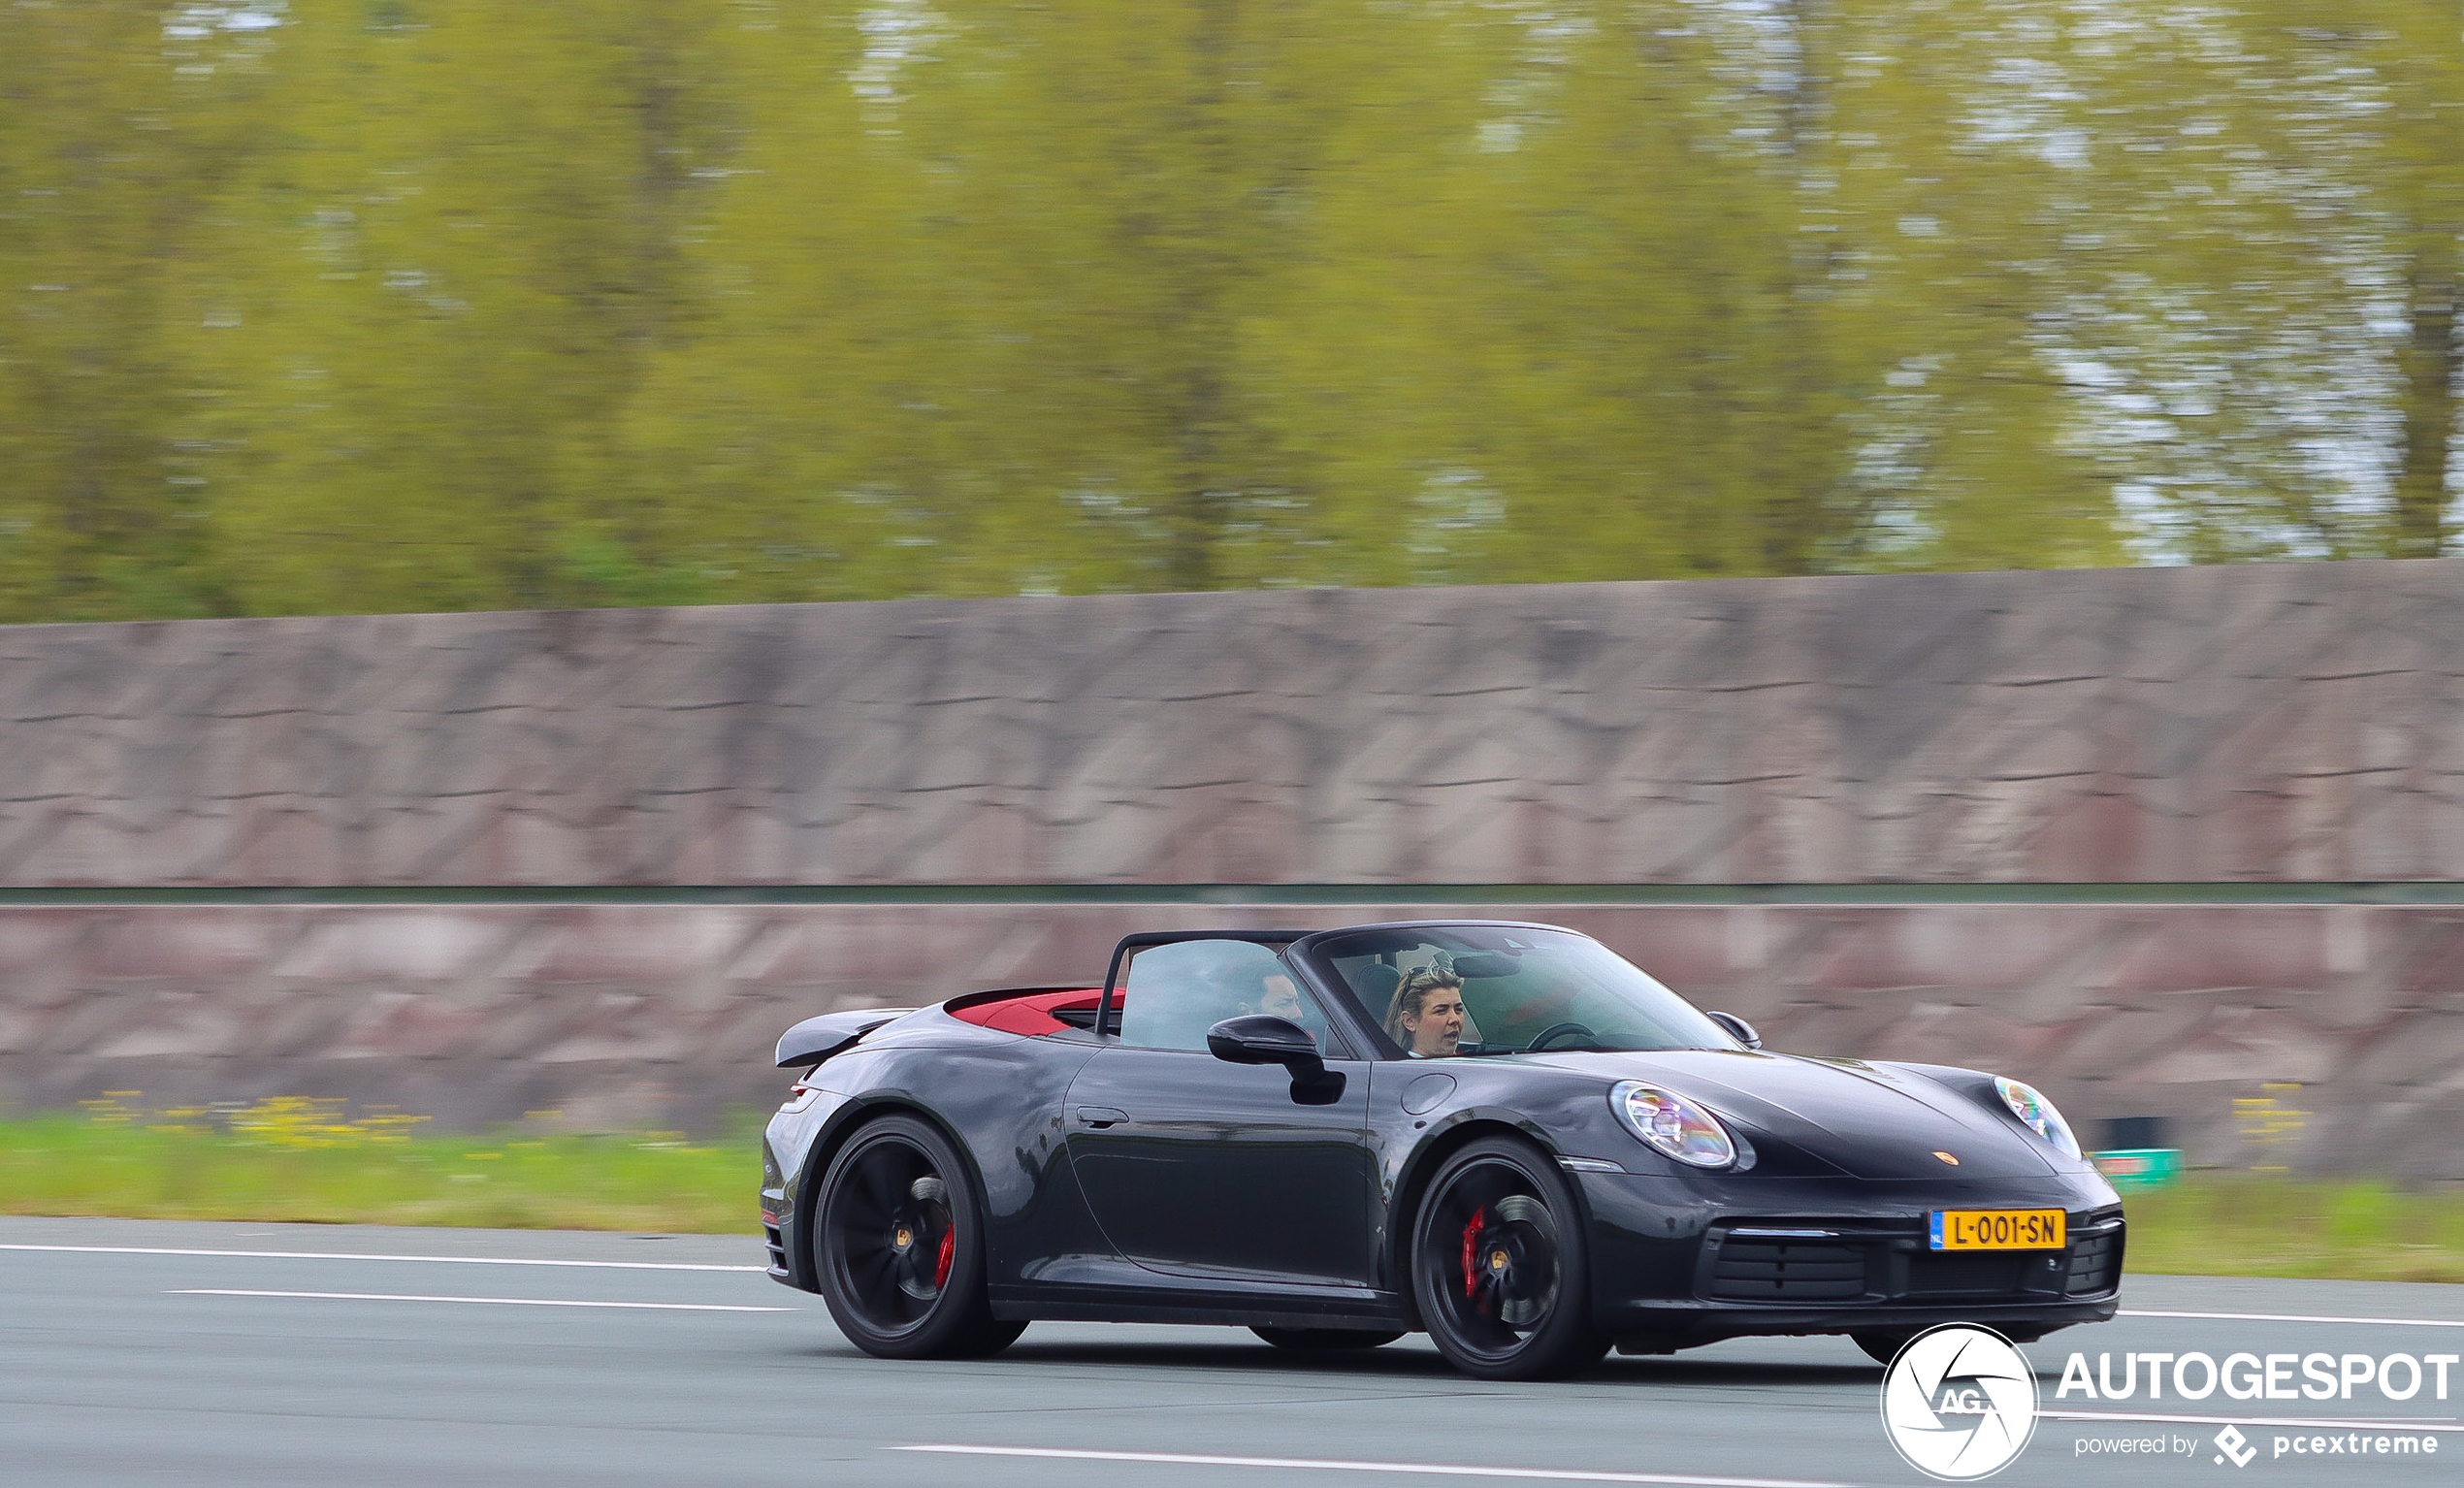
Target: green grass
[300,1160]
[75,1165]
[2262,1225]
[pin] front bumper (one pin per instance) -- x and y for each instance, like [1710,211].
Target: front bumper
[1676,1264]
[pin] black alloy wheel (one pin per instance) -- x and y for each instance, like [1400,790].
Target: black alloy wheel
[898,1245]
[1319,1339]
[1500,1268]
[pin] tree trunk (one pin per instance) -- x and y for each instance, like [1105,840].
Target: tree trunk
[2429,362]
[1796,505]
[1204,259]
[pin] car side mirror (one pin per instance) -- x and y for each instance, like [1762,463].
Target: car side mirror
[1738,1029]
[1262,1038]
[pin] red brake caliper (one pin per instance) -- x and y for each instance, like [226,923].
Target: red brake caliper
[1470,1245]
[941,1265]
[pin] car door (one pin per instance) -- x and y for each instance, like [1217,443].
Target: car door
[1202,1167]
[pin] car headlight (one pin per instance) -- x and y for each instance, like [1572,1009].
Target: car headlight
[2038,1115]
[1673,1125]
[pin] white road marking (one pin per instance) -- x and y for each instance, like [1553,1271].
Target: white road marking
[507,1302]
[1293,1464]
[507,1260]
[2321,1422]
[345,1255]
[2303,1318]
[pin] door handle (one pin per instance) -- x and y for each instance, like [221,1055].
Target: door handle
[1100,1116]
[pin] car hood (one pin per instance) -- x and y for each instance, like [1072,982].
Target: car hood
[1867,1119]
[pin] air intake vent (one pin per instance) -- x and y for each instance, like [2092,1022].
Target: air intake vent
[1991,1273]
[1788,1270]
[2096,1264]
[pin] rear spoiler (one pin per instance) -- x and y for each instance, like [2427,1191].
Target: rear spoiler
[816,1039]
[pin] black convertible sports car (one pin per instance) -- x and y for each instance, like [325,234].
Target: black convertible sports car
[1503,1134]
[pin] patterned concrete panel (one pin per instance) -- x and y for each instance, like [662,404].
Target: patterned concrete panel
[2294,722]
[664,1015]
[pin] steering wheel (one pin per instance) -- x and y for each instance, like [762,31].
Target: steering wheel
[1552,1031]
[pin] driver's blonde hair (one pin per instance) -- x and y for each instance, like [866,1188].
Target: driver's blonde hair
[1413,991]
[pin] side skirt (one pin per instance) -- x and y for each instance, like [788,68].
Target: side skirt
[1377,1312]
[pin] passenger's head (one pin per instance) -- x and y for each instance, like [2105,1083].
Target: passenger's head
[1280,997]
[1426,1014]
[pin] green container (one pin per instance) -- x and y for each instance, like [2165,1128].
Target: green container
[2142,1167]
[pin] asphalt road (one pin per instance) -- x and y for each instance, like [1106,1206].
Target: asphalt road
[367,1360]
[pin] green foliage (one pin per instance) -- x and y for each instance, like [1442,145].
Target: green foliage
[368,304]
[294,1163]
[2251,1225]
[114,134]
[439,276]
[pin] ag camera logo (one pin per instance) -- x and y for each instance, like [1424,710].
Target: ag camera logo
[1959,1401]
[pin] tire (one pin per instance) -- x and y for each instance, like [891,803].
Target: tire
[1318,1339]
[1881,1346]
[898,1246]
[1499,1267]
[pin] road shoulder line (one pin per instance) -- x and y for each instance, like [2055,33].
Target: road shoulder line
[344,1256]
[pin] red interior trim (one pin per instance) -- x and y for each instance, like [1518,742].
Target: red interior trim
[1030,1014]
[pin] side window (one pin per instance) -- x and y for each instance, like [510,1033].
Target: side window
[1397,987]
[1172,995]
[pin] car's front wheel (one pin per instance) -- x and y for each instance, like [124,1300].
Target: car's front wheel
[898,1245]
[1499,1265]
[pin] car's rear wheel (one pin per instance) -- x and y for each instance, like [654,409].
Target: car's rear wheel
[1500,1268]
[898,1245]
[1314,1339]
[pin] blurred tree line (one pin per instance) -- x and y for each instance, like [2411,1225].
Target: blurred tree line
[362,304]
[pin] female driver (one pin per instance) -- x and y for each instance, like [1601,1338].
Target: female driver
[1426,1014]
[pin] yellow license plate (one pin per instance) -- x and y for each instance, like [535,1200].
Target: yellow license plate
[1998,1229]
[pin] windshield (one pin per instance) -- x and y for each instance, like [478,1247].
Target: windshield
[1441,990]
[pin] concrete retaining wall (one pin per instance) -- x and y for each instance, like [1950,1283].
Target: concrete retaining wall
[2294,722]
[2270,726]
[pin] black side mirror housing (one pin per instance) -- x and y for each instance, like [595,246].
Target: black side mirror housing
[1262,1038]
[1739,1028]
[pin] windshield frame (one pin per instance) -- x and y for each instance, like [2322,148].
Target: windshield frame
[1309,956]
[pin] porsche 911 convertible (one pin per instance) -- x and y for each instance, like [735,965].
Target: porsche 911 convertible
[1505,1135]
